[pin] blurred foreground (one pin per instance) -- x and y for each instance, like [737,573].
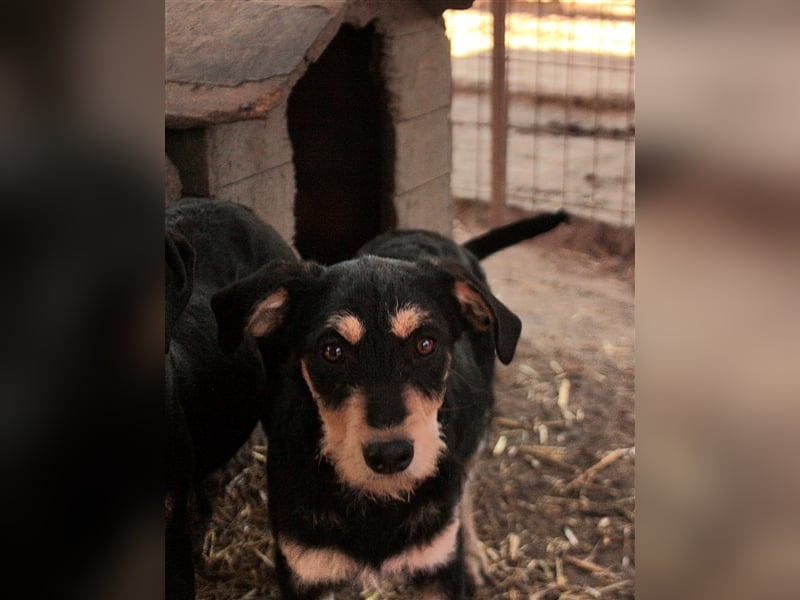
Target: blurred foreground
[717,296]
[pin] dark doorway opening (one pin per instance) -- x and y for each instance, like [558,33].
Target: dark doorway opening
[343,142]
[186,148]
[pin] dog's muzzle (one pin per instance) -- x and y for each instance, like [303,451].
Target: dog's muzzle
[389,457]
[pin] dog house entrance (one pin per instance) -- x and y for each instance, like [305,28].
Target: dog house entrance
[343,142]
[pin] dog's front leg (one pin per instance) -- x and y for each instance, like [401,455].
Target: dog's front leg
[448,581]
[288,582]
[474,556]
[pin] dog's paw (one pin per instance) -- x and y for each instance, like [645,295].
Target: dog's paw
[477,565]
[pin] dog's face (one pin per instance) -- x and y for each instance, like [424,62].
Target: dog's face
[375,357]
[374,340]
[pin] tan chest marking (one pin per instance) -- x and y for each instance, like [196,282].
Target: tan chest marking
[327,566]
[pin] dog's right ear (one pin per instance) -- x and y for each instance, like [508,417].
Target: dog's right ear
[259,303]
[178,279]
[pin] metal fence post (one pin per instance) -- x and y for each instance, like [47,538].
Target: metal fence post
[499,102]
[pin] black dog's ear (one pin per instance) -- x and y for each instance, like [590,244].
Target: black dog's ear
[178,280]
[483,311]
[259,303]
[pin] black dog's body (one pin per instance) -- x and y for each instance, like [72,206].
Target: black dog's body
[386,395]
[213,399]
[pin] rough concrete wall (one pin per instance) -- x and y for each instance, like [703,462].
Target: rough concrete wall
[427,206]
[251,162]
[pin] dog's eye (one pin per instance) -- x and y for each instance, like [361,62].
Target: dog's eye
[425,346]
[332,352]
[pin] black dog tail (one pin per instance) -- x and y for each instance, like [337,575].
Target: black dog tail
[508,235]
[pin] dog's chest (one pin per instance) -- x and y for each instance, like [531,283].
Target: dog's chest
[425,540]
[375,533]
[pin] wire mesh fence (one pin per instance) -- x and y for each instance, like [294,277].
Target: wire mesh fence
[569,85]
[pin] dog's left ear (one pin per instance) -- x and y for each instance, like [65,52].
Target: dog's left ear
[483,311]
[259,303]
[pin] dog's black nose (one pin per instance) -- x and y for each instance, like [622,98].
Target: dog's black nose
[389,457]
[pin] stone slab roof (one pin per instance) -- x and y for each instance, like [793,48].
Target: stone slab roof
[215,63]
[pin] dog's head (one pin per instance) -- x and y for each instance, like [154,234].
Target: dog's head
[374,341]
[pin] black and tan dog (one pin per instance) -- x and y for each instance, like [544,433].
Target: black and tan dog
[387,394]
[213,400]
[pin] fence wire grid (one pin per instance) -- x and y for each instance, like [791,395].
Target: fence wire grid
[569,85]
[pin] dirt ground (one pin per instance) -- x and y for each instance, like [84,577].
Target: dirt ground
[554,496]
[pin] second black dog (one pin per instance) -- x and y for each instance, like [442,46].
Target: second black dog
[213,399]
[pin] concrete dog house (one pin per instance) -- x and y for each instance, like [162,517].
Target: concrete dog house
[330,118]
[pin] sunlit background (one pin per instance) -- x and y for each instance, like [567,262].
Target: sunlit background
[597,26]
[570,87]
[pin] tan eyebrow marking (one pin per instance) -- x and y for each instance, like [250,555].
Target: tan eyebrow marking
[348,326]
[406,320]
